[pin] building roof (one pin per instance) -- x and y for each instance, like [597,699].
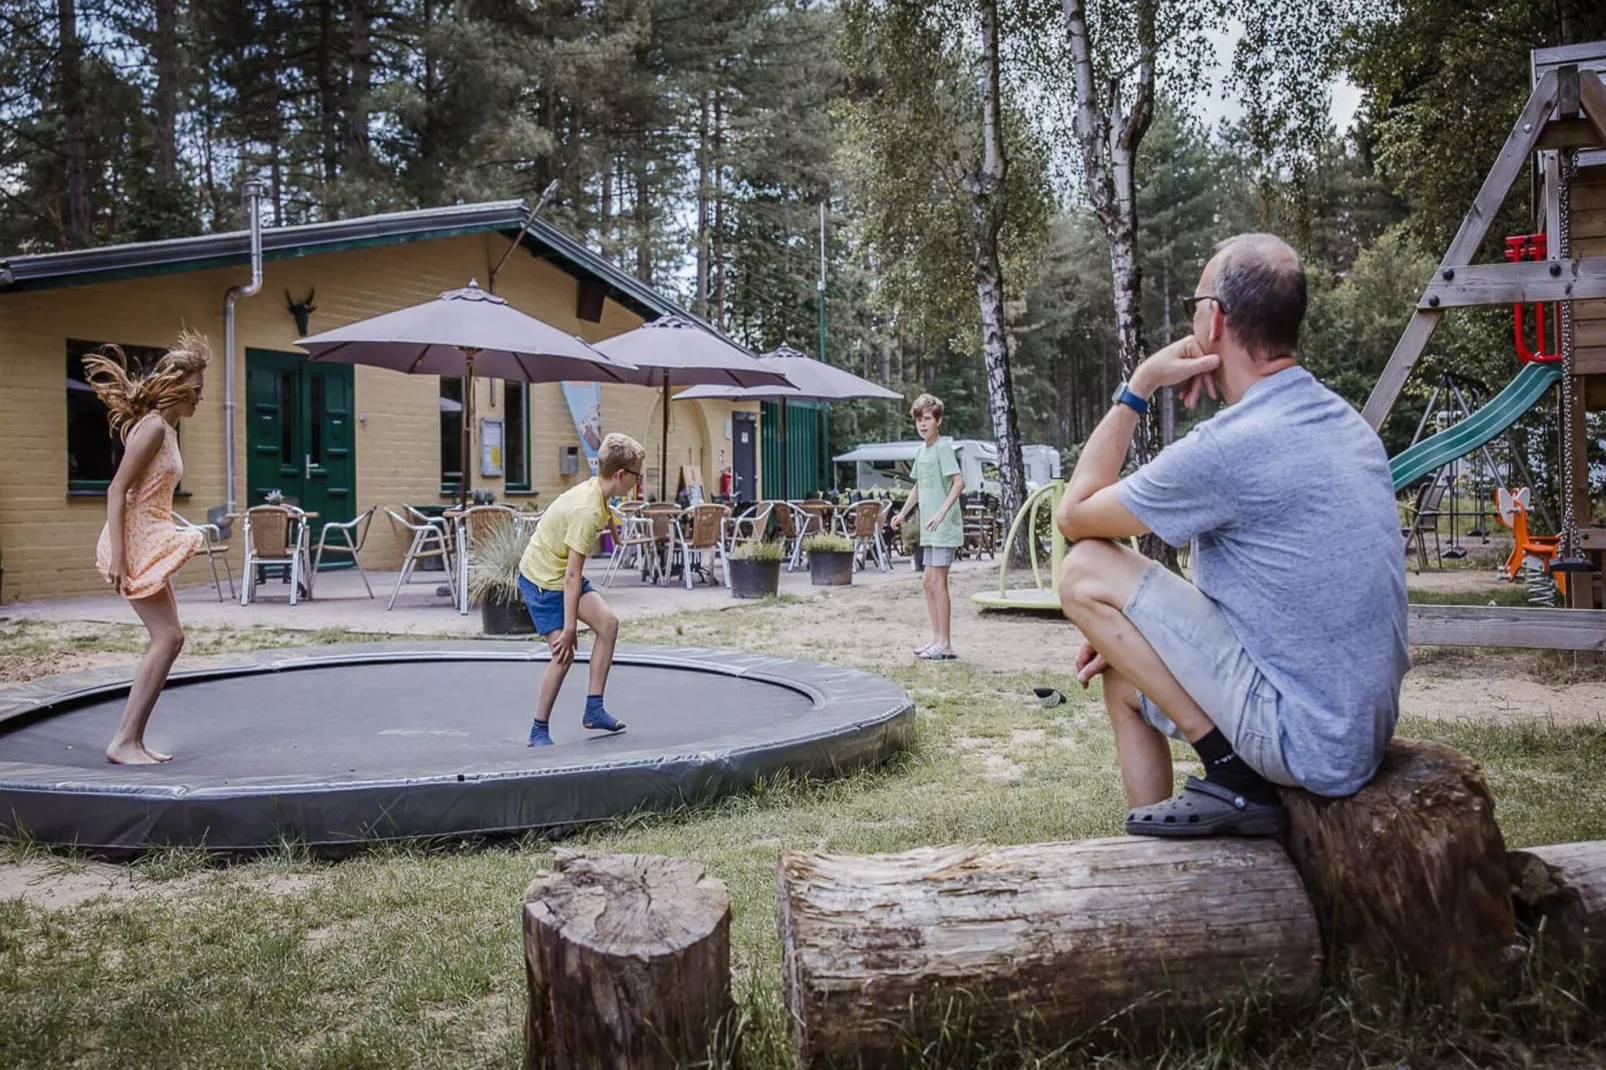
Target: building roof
[112,262]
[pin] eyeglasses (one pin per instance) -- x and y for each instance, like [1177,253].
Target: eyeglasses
[1191,304]
[633,472]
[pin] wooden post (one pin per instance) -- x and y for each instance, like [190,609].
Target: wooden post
[1408,876]
[628,962]
[1061,940]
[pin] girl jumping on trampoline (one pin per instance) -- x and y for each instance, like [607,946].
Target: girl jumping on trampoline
[559,597]
[142,548]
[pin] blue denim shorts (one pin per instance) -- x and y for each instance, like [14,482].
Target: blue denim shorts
[546,607]
[1193,638]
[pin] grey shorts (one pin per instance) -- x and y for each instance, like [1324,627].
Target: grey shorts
[938,556]
[1193,638]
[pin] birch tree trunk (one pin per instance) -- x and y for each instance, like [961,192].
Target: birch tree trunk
[72,112]
[1109,137]
[986,188]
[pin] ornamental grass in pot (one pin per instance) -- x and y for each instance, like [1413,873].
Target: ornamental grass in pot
[830,560]
[493,581]
[755,568]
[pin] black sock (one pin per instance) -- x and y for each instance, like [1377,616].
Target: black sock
[1224,767]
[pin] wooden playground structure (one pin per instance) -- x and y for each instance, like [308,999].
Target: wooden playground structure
[1562,266]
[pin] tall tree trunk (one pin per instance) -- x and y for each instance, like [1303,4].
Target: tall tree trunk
[1109,141]
[361,86]
[986,188]
[328,91]
[605,208]
[275,119]
[700,302]
[643,216]
[72,110]
[1168,395]
[719,210]
[165,54]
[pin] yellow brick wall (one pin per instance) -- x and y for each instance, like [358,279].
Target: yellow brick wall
[47,540]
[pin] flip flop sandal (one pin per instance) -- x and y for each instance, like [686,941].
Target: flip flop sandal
[932,655]
[1205,809]
[923,651]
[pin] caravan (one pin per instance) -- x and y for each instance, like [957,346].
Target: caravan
[885,465]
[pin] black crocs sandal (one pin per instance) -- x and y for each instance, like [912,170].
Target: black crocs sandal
[1205,809]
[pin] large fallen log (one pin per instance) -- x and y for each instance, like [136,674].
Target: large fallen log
[1408,876]
[628,962]
[1055,938]
[1564,888]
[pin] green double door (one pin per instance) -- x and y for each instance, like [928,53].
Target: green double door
[299,438]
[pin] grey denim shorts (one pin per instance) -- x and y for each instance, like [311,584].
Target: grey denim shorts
[1193,638]
[938,556]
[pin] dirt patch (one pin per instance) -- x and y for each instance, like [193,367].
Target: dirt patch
[20,668]
[57,885]
[1504,700]
[997,767]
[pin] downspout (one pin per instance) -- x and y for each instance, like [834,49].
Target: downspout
[252,195]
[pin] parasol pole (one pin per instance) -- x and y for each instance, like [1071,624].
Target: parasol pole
[786,460]
[663,447]
[468,423]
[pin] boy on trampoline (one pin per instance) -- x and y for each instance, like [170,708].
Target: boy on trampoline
[552,580]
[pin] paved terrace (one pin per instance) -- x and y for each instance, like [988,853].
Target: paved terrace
[341,602]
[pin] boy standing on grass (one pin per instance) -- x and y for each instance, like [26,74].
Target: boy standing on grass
[938,485]
[552,580]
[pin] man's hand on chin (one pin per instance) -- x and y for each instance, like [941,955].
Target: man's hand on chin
[1183,361]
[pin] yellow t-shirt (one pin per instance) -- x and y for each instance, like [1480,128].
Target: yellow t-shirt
[572,522]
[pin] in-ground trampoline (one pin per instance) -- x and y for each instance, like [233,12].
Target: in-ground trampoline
[349,744]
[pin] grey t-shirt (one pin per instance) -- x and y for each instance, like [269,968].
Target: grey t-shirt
[1289,502]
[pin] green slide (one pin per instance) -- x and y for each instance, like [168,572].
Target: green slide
[1503,410]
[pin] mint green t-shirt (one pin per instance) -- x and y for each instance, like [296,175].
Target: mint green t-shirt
[934,469]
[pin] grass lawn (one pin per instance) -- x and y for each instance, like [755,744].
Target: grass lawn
[408,956]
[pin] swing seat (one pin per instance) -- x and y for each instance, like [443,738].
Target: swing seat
[1513,513]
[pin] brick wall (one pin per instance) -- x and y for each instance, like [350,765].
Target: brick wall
[47,540]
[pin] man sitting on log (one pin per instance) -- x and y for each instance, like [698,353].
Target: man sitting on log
[1282,666]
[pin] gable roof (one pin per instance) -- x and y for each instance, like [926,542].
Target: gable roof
[109,263]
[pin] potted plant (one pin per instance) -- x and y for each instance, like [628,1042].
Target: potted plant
[830,560]
[755,568]
[909,535]
[493,581]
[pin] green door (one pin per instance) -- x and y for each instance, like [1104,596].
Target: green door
[298,437]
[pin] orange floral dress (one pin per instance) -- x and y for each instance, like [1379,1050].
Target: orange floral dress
[154,546]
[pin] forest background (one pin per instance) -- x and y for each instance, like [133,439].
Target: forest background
[694,141]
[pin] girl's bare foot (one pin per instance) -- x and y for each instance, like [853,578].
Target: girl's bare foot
[134,754]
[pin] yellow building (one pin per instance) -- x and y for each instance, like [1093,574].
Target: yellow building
[335,437]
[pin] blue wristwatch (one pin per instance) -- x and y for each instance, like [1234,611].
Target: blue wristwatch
[1124,396]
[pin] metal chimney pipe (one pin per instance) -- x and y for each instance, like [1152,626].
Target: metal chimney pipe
[251,195]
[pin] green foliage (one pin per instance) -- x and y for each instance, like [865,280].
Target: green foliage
[826,542]
[758,550]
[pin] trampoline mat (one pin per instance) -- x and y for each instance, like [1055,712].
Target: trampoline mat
[412,719]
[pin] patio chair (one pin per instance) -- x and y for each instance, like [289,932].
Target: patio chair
[706,524]
[634,537]
[662,520]
[428,542]
[346,537]
[274,535]
[866,522]
[1422,519]
[750,525]
[213,546]
[793,524]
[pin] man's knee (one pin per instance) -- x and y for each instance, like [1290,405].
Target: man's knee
[1084,571]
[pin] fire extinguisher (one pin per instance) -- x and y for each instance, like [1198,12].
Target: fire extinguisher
[725,483]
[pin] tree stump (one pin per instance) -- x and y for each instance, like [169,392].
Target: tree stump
[1408,876]
[1564,886]
[628,961]
[1056,938]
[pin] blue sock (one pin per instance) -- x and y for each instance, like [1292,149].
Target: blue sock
[597,717]
[539,735]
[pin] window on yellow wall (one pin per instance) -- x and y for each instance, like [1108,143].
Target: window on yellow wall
[93,452]
[516,435]
[451,434]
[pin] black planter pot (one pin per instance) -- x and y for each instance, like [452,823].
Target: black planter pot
[505,618]
[831,569]
[754,579]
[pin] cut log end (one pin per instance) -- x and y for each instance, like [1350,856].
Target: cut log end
[628,962]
